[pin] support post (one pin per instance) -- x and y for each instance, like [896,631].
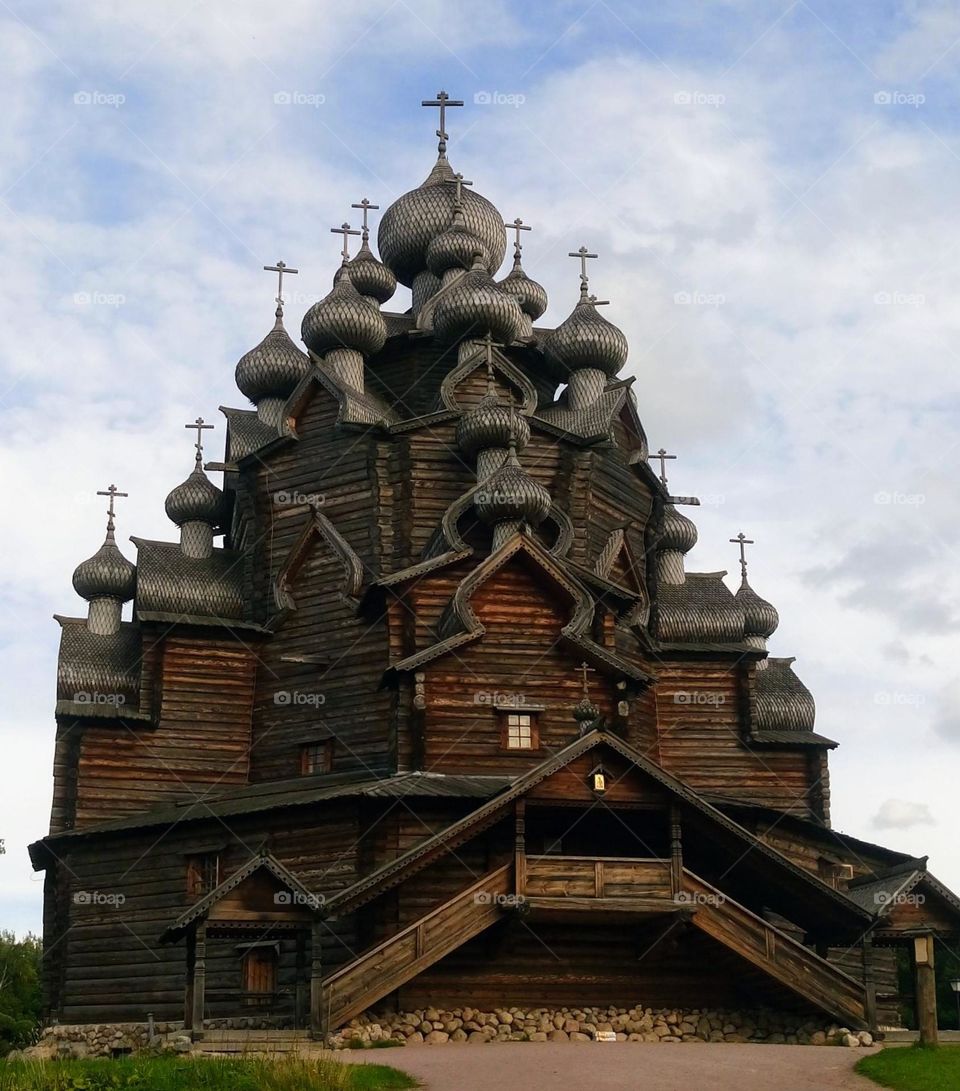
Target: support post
[316,980]
[926,988]
[869,982]
[298,997]
[520,848]
[199,979]
[191,971]
[676,851]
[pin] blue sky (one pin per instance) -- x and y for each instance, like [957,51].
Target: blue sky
[790,169]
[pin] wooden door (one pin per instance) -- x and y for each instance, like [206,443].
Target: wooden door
[260,970]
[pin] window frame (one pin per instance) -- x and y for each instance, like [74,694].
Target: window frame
[316,746]
[505,725]
[200,881]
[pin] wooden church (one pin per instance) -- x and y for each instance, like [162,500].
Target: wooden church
[445,718]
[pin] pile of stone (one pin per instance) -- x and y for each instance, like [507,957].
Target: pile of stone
[434,1027]
[79,1041]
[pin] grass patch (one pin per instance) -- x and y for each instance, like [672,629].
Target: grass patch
[914,1068]
[200,1074]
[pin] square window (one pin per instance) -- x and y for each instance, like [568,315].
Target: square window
[203,874]
[519,731]
[316,757]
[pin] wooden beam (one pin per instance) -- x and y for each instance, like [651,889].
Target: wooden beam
[676,851]
[191,977]
[926,988]
[316,980]
[520,850]
[199,979]
[869,982]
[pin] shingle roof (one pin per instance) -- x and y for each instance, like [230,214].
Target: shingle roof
[95,670]
[170,582]
[247,431]
[700,610]
[783,702]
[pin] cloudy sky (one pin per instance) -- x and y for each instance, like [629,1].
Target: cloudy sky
[771,188]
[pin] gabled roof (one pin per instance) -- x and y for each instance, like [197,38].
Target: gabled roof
[307,900]
[393,872]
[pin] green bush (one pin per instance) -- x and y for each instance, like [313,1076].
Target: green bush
[19,991]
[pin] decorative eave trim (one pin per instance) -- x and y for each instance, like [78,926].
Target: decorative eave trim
[200,621]
[309,901]
[79,710]
[453,378]
[319,526]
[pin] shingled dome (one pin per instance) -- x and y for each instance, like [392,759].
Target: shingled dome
[531,296]
[491,424]
[274,367]
[371,277]
[761,617]
[512,494]
[344,319]
[587,340]
[107,574]
[196,500]
[415,219]
[475,306]
[678,532]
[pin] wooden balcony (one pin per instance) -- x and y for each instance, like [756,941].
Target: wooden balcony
[582,884]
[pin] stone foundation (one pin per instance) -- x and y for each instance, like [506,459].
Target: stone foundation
[638,1024]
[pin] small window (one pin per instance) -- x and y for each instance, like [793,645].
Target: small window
[203,874]
[519,731]
[316,757]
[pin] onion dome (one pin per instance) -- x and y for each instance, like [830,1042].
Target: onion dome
[587,340]
[531,296]
[274,367]
[410,224]
[107,574]
[761,617]
[677,532]
[371,277]
[491,424]
[475,306]
[196,500]
[454,248]
[511,494]
[344,319]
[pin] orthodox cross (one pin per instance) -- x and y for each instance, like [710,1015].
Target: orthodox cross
[366,206]
[663,457]
[443,100]
[113,492]
[743,541]
[199,426]
[584,670]
[280,268]
[582,254]
[345,230]
[488,346]
[459,181]
[518,225]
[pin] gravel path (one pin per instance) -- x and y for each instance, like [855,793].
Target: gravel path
[625,1066]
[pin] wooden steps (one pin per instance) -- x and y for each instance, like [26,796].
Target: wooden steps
[774,952]
[384,968]
[256,1041]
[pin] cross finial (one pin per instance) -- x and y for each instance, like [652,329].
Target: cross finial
[459,181]
[488,346]
[743,541]
[518,225]
[345,230]
[113,492]
[366,206]
[583,253]
[584,670]
[663,458]
[443,100]
[280,268]
[200,427]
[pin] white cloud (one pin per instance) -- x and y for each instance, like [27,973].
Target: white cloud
[901,814]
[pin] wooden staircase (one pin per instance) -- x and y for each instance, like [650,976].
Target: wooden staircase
[271,1042]
[377,972]
[774,952]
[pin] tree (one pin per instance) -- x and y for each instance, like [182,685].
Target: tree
[19,990]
